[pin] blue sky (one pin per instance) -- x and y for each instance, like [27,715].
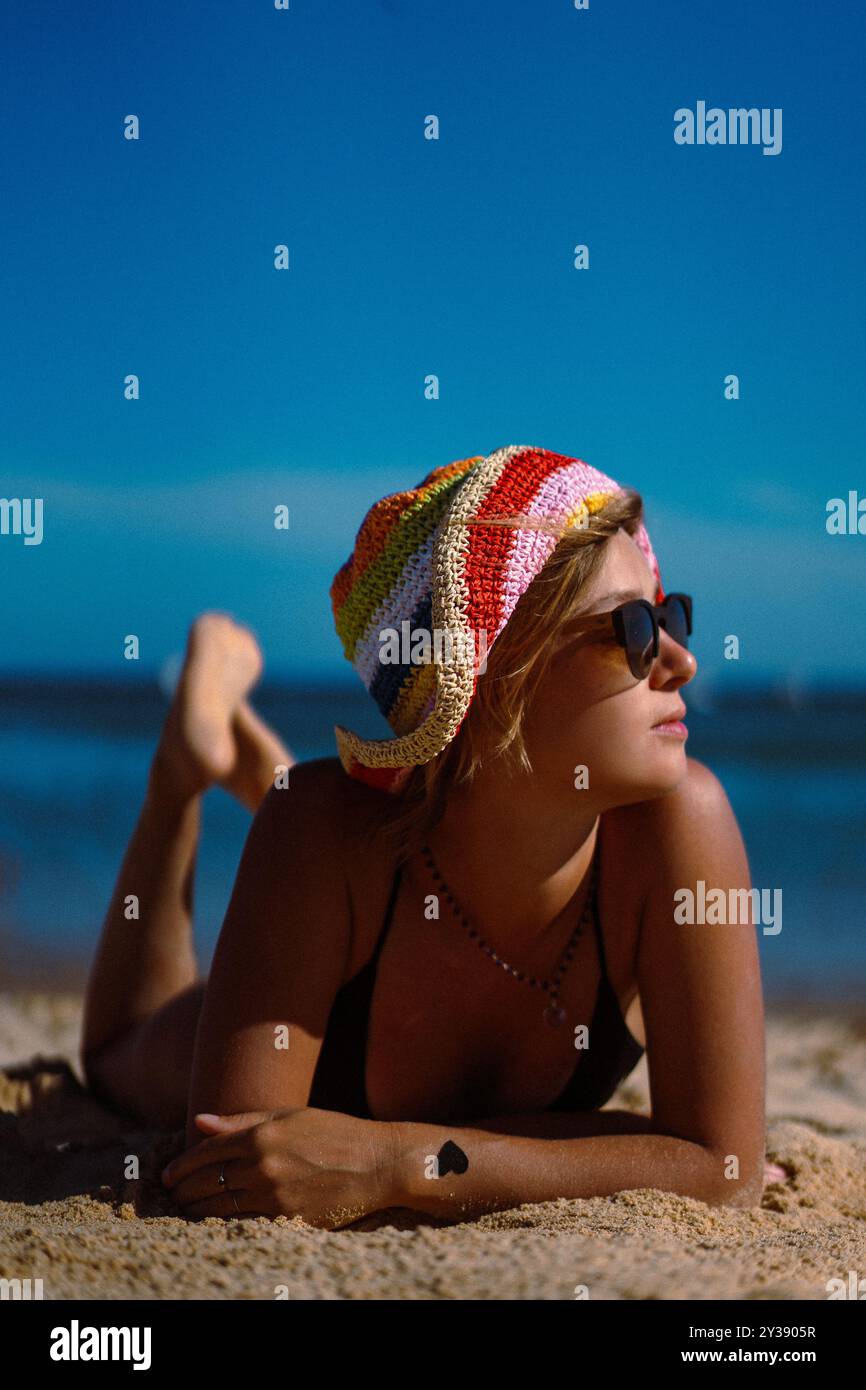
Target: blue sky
[409,257]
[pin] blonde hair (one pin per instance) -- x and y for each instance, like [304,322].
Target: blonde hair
[518,661]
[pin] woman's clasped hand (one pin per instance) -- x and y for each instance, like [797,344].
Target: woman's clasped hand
[328,1168]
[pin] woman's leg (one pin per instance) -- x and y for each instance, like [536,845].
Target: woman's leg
[144,994]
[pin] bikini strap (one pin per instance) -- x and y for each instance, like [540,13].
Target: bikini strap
[596,915]
[389,913]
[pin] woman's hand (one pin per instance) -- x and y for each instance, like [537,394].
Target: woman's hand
[328,1168]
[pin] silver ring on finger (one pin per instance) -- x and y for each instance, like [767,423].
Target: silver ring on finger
[222,1176]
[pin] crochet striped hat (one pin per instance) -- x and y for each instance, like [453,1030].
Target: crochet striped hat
[422,570]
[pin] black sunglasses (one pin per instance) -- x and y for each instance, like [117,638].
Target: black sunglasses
[636,628]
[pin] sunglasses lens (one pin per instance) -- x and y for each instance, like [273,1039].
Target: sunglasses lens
[675,621]
[639,640]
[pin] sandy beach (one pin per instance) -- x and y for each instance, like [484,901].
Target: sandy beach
[70,1217]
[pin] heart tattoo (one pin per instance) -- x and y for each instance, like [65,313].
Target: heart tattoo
[451,1159]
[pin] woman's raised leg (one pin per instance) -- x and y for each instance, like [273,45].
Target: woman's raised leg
[144,993]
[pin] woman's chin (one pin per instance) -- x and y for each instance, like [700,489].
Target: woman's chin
[669,765]
[659,774]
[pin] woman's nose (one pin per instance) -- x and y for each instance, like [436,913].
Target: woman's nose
[674,662]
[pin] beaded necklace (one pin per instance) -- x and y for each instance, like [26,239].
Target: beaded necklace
[553,1014]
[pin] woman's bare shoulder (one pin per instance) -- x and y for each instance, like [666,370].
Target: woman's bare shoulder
[699,799]
[340,821]
[689,827]
[345,806]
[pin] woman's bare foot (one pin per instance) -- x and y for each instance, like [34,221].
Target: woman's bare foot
[259,753]
[211,734]
[198,746]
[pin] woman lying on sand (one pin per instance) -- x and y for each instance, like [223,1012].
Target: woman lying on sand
[493,890]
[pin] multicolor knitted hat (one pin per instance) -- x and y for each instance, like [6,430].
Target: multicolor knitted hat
[421,568]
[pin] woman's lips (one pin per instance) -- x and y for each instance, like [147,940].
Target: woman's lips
[674,729]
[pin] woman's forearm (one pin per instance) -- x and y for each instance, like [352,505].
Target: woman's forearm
[459,1172]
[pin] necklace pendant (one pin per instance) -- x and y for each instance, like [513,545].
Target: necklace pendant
[554,1015]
